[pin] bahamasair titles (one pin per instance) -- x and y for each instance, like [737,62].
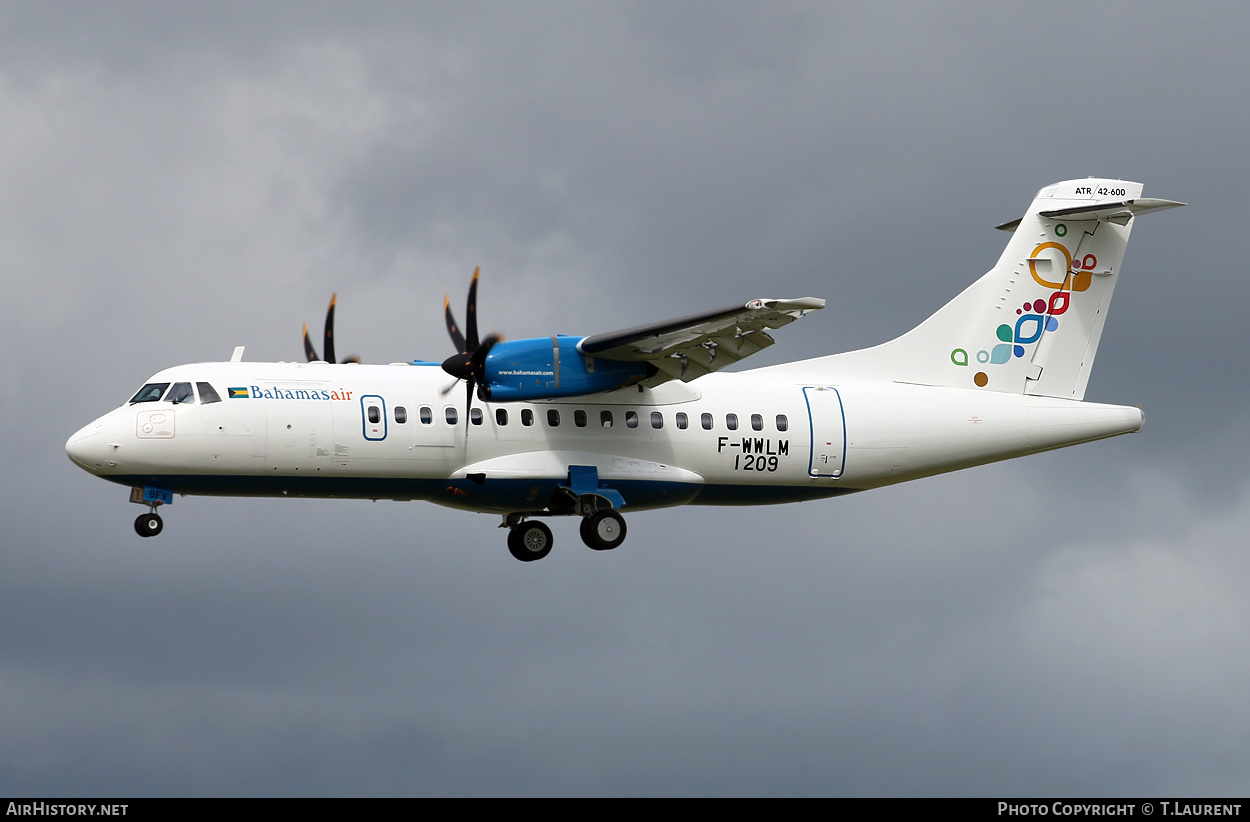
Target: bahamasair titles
[601,426]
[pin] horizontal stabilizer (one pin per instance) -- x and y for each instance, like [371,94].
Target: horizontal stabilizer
[1118,212]
[1109,211]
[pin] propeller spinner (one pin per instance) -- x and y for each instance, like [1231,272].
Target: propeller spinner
[311,352]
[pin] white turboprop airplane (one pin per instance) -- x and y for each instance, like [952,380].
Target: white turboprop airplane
[636,419]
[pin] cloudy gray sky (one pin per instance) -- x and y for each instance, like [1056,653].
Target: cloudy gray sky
[177,179]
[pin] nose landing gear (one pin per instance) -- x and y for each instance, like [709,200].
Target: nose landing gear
[149,525]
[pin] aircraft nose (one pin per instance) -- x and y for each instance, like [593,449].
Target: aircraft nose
[88,449]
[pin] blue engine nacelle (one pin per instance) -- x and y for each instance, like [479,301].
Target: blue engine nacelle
[545,367]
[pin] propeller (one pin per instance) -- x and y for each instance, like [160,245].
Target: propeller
[470,363]
[311,352]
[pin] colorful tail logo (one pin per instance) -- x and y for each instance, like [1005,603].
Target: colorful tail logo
[1035,316]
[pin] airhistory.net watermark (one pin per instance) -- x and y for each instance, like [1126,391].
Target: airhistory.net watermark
[62,809]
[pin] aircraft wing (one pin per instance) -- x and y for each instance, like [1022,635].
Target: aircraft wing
[686,348]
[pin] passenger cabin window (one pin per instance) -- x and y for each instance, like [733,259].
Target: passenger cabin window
[475,416]
[579,418]
[782,422]
[682,422]
[401,414]
[553,418]
[605,419]
[757,422]
[501,416]
[449,414]
[731,422]
[427,415]
[207,394]
[657,419]
[151,392]
[631,419]
[527,416]
[181,394]
[706,421]
[375,415]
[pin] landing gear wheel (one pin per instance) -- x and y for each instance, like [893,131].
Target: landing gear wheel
[148,525]
[603,531]
[529,541]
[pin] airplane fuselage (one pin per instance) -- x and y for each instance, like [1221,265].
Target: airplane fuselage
[387,432]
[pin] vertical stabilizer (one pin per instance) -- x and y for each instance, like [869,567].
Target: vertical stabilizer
[1032,324]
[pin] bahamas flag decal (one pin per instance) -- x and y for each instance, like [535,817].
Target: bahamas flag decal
[237,393]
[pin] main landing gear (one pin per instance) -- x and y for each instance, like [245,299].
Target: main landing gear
[529,540]
[603,530]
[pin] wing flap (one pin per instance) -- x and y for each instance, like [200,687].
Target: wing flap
[686,348]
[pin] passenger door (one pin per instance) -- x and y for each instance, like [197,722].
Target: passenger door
[828,430]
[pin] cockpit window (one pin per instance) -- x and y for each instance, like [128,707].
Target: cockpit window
[150,392]
[207,394]
[181,394]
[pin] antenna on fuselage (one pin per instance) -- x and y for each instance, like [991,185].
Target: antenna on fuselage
[237,356]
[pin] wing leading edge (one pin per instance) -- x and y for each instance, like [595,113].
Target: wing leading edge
[686,348]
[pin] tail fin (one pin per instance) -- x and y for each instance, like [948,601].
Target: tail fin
[1032,324]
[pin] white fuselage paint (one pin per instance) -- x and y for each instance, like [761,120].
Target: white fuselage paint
[840,436]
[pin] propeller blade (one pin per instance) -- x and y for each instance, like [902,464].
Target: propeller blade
[471,311]
[329,338]
[457,339]
[311,353]
[308,346]
[469,361]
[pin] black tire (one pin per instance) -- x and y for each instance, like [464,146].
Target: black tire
[603,530]
[530,541]
[149,525]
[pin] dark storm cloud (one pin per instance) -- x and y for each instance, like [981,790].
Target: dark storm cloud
[179,179]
